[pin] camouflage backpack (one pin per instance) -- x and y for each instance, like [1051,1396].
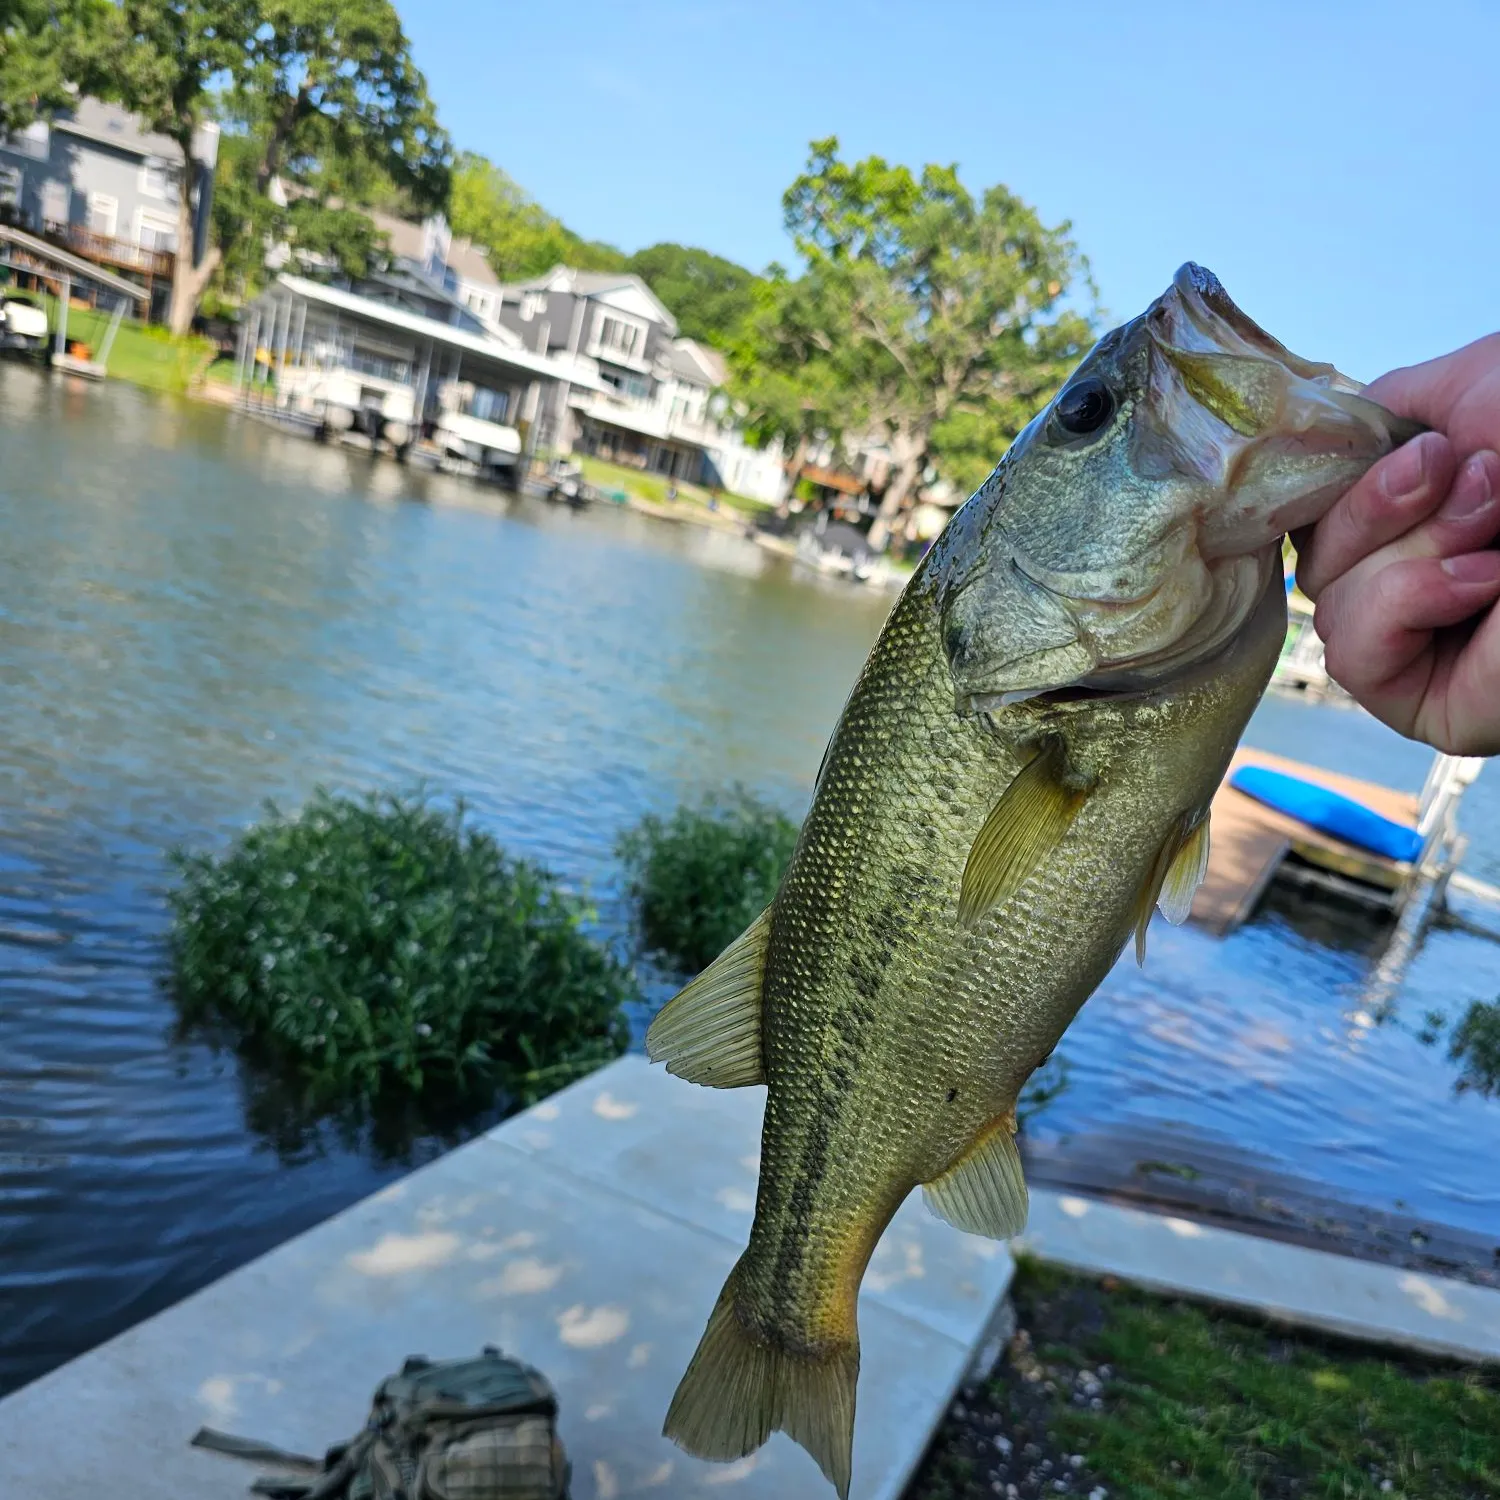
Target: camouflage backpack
[461,1429]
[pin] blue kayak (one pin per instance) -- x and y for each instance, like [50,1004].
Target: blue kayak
[1329,812]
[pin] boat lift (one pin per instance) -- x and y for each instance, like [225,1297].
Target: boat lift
[61,268]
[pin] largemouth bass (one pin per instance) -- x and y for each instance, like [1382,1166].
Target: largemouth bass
[1022,773]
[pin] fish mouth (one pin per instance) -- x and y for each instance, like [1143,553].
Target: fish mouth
[1276,438]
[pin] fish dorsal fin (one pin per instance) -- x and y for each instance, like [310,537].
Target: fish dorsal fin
[1027,824]
[984,1191]
[1176,873]
[709,1032]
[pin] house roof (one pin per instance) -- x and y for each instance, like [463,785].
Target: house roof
[98,121]
[440,333]
[469,261]
[696,362]
[592,284]
[406,239]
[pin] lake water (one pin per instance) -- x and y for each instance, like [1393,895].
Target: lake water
[198,613]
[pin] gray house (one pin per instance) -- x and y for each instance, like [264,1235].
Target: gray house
[94,180]
[612,325]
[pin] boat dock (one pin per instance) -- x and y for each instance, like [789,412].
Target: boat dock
[1251,844]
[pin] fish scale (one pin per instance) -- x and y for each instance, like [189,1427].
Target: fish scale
[1024,765]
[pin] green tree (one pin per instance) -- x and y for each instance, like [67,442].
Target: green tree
[935,320]
[711,298]
[322,93]
[45,45]
[522,238]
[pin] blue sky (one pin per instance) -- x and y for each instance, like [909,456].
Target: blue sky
[1338,165]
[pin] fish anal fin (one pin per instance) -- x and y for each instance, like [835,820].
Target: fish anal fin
[984,1191]
[709,1032]
[740,1388]
[1174,877]
[1027,824]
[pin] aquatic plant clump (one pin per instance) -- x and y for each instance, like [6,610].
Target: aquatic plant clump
[381,946]
[700,877]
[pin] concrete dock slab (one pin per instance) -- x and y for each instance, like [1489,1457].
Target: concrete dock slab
[589,1236]
[1355,1299]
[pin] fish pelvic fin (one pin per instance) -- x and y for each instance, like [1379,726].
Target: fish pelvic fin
[740,1388]
[1028,823]
[984,1191]
[709,1032]
[1176,873]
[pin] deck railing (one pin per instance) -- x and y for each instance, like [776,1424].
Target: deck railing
[107,250]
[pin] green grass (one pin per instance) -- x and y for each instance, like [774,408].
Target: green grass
[611,477]
[1201,1405]
[143,354]
[381,947]
[700,877]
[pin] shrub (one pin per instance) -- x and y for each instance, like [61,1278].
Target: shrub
[700,877]
[381,947]
[1476,1044]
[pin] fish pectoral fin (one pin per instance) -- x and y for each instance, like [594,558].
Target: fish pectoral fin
[1176,873]
[984,1192]
[1185,874]
[1028,823]
[709,1032]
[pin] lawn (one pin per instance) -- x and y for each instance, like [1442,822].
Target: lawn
[1109,1392]
[611,477]
[143,354]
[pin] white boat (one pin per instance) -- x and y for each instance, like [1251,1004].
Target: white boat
[342,400]
[467,430]
[23,325]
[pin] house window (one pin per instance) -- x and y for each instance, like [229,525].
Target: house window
[56,200]
[619,337]
[157,232]
[104,214]
[533,305]
[33,141]
[10,187]
[156,180]
[636,387]
[488,405]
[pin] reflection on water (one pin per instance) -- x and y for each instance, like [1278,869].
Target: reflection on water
[197,614]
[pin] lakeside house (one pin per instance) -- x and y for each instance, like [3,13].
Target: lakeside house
[570,362]
[660,406]
[95,181]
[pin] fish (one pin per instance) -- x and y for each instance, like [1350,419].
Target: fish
[1022,773]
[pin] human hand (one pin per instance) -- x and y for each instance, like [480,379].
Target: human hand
[1404,570]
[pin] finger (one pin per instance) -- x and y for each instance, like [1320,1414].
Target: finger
[1378,625]
[1429,391]
[1403,489]
[1461,709]
[1459,394]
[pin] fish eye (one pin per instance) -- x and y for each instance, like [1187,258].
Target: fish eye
[1085,406]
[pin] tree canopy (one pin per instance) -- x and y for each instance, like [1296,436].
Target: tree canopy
[321,94]
[522,238]
[928,319]
[711,298]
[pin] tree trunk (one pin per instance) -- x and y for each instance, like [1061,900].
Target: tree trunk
[908,454]
[188,280]
[793,474]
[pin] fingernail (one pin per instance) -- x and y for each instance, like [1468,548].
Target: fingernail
[1405,471]
[1471,490]
[1474,567]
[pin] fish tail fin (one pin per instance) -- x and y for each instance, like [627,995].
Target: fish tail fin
[739,1389]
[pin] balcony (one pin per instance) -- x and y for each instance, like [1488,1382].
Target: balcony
[105,250]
